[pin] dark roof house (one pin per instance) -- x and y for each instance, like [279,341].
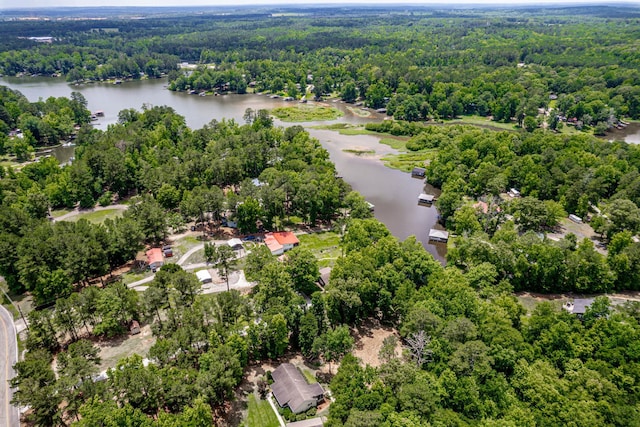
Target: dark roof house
[291,389]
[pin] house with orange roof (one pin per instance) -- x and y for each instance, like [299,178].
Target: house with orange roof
[281,241]
[155,259]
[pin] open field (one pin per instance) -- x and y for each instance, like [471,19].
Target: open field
[115,349]
[482,121]
[98,217]
[325,246]
[306,113]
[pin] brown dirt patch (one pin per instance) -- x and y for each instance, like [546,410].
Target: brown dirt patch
[113,350]
[369,337]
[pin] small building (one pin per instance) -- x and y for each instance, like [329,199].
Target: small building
[578,306]
[325,274]
[281,241]
[154,259]
[291,389]
[235,244]
[418,172]
[438,236]
[204,276]
[426,199]
[134,328]
[575,218]
[513,193]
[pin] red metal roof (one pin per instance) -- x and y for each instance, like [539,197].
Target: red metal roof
[154,255]
[286,238]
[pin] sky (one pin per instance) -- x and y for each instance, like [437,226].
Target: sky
[10,4]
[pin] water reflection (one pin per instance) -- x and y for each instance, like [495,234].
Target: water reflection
[394,193]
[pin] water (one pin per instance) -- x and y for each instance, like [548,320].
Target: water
[394,193]
[630,134]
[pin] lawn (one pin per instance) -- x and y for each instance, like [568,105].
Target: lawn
[530,302]
[306,113]
[482,121]
[308,375]
[325,246]
[59,212]
[98,217]
[131,277]
[260,414]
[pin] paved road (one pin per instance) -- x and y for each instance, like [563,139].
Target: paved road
[9,414]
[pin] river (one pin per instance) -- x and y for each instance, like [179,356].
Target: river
[394,193]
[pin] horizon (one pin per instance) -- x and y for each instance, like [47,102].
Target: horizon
[152,4]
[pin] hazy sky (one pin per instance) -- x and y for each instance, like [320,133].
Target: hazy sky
[10,4]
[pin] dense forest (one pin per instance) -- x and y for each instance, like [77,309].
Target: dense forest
[471,353]
[578,65]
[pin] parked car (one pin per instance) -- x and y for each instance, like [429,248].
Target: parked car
[167,251]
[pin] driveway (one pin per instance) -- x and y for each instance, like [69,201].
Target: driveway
[9,414]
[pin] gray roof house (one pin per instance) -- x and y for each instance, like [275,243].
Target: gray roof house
[578,306]
[291,389]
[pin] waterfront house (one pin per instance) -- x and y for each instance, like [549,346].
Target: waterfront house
[438,236]
[426,199]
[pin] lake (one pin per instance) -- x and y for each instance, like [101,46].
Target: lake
[394,193]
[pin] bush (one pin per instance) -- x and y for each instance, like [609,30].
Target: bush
[105,199]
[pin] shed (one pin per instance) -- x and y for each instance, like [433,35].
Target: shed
[291,389]
[438,235]
[575,218]
[514,193]
[578,306]
[325,274]
[426,199]
[154,258]
[418,172]
[235,244]
[204,276]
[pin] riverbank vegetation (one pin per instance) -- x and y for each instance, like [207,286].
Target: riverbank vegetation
[306,113]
